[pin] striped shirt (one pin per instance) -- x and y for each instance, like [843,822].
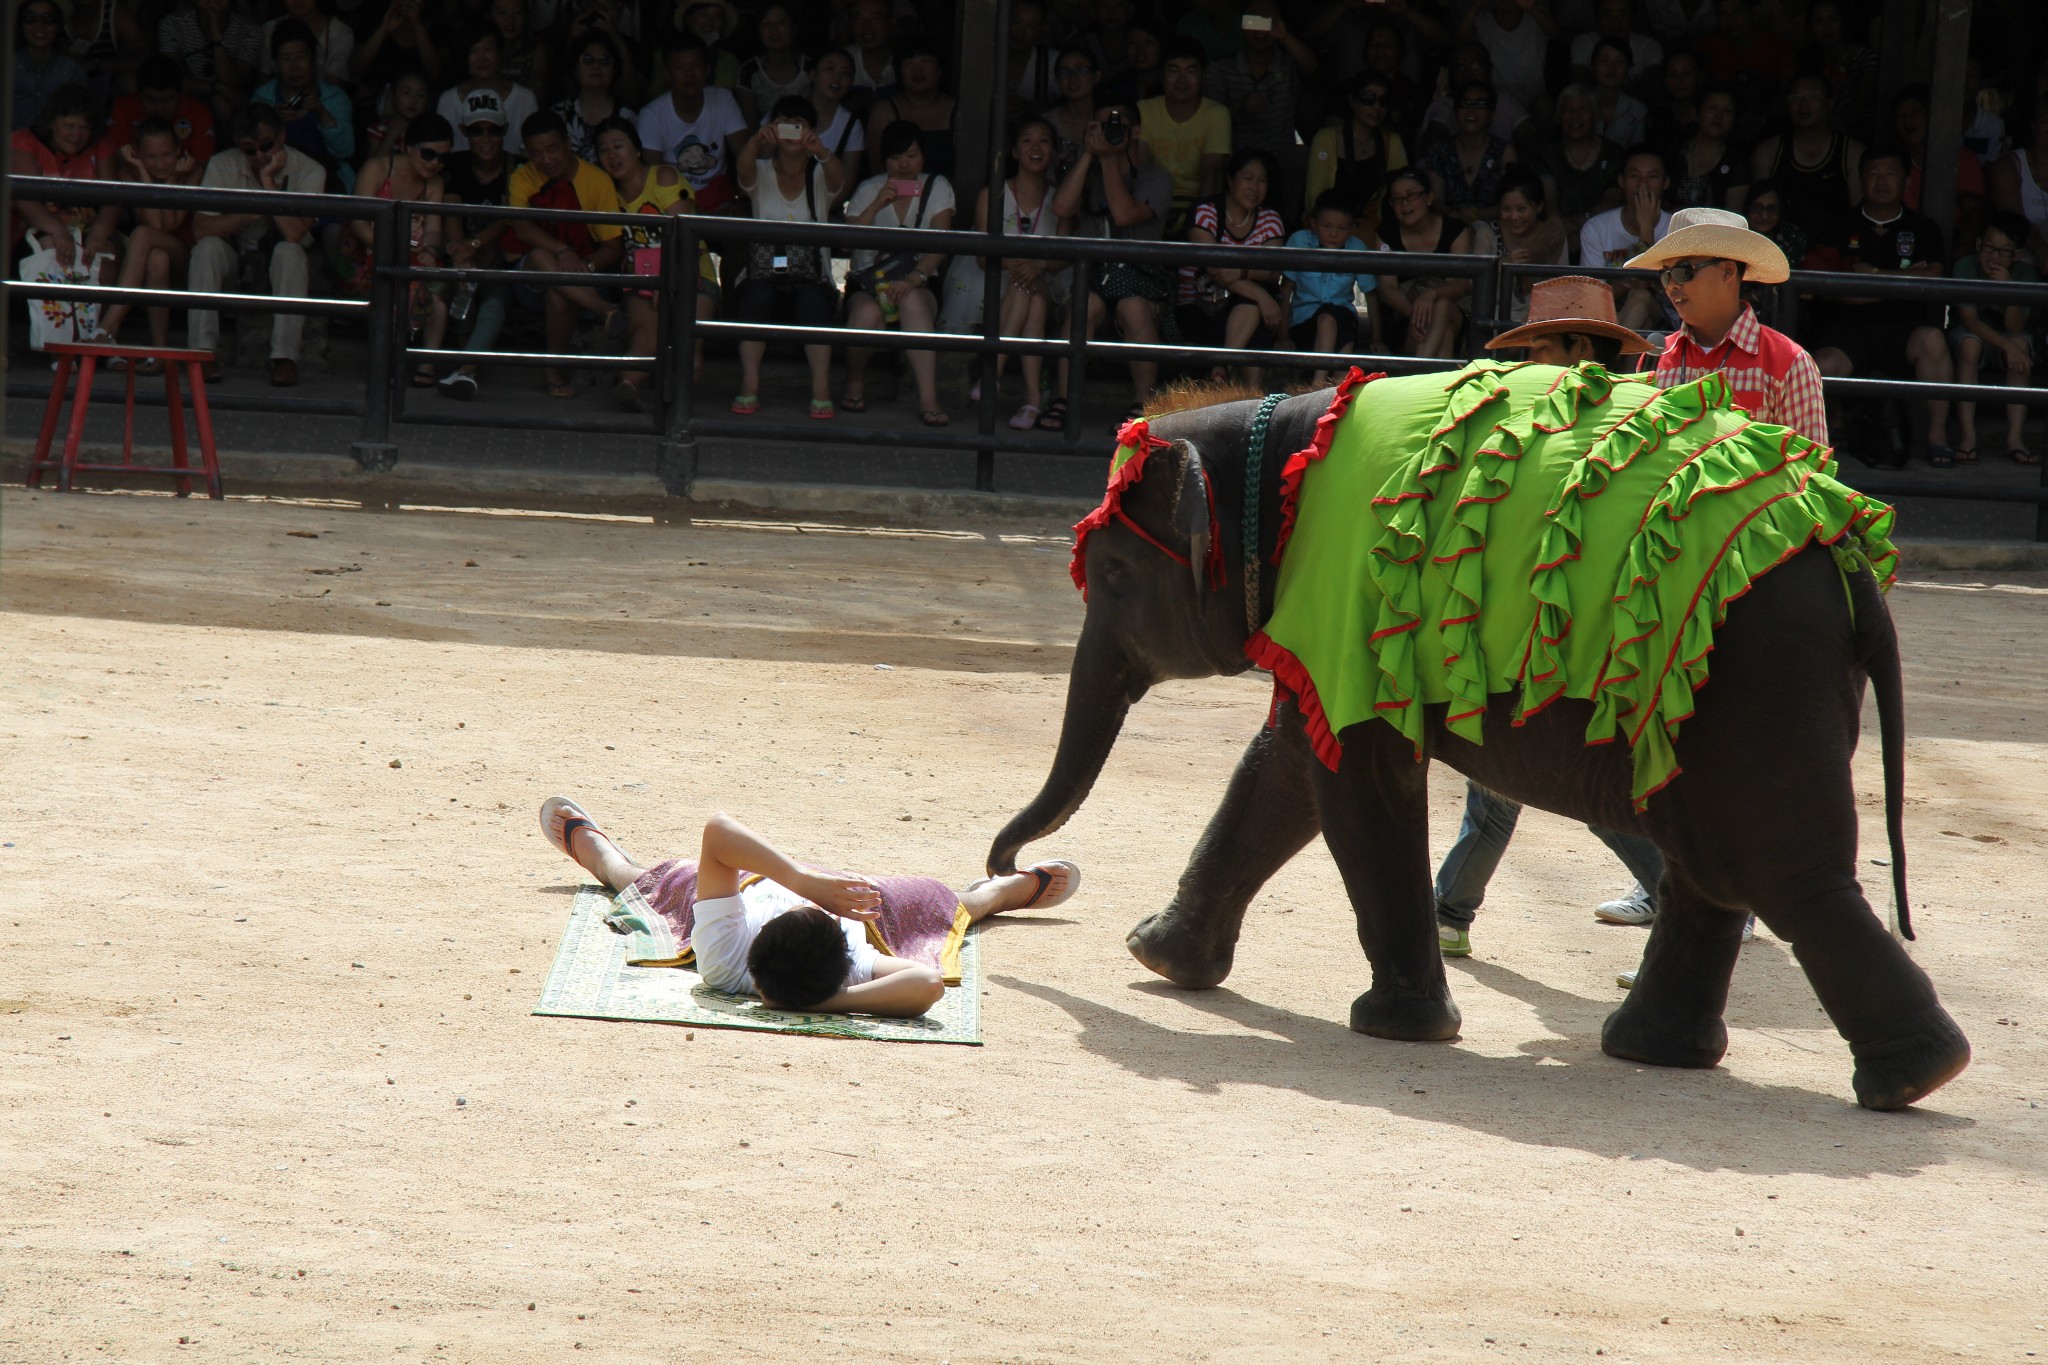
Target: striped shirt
[1769,376]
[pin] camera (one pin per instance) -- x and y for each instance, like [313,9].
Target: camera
[1113,130]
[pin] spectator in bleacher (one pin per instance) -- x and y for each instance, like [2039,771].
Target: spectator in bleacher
[159,245]
[64,143]
[1187,133]
[1764,207]
[481,173]
[694,127]
[1676,21]
[1386,56]
[1817,168]
[2019,180]
[554,177]
[1849,68]
[1745,52]
[1114,191]
[487,86]
[1106,34]
[594,70]
[896,287]
[1322,315]
[792,177]
[404,100]
[1581,170]
[1143,74]
[838,126]
[1530,234]
[1620,117]
[1074,114]
[1516,35]
[229,247]
[873,53]
[712,22]
[1031,82]
[43,63]
[615,19]
[522,57]
[776,69]
[318,117]
[1706,169]
[1471,64]
[1909,133]
[1422,315]
[1611,238]
[1615,20]
[108,39]
[1983,127]
[1987,336]
[658,192]
[400,42]
[1465,168]
[412,176]
[334,43]
[1261,85]
[160,94]
[1882,336]
[919,98]
[218,49]
[1027,210]
[1231,306]
[1355,157]
[1674,104]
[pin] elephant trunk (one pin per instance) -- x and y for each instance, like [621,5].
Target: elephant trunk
[1100,691]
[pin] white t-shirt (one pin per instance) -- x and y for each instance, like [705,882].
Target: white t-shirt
[842,124]
[696,147]
[725,928]
[1604,241]
[937,196]
[516,106]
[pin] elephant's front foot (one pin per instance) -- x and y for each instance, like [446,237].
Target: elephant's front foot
[1405,1016]
[1929,1053]
[1640,1032]
[1169,946]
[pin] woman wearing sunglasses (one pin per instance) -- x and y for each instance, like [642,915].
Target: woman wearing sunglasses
[1355,157]
[413,175]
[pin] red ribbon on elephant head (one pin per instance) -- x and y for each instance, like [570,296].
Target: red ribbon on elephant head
[1137,434]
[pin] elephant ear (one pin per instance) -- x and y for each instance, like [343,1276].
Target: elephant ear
[1194,516]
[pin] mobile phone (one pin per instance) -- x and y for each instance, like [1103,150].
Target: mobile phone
[1256,23]
[790,132]
[905,189]
[779,264]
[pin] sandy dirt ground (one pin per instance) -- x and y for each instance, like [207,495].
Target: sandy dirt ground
[273,911]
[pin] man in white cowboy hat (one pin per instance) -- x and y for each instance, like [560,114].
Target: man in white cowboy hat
[1571,321]
[1703,262]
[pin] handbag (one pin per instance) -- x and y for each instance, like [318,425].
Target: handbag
[892,268]
[798,262]
[61,320]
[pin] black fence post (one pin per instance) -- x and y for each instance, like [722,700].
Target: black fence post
[1485,292]
[1077,357]
[374,449]
[675,458]
[992,279]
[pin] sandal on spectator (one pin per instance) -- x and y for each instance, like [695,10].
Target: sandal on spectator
[2020,455]
[821,410]
[423,377]
[1966,454]
[1026,418]
[562,390]
[932,417]
[1941,457]
[149,367]
[626,394]
[854,403]
[746,405]
[459,386]
[1055,416]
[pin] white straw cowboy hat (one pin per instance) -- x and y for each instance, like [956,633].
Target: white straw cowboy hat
[1571,303]
[1717,232]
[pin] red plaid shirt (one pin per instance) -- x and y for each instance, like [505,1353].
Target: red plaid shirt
[1769,376]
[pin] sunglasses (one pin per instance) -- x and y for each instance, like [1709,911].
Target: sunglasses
[429,155]
[1683,272]
[262,148]
[473,131]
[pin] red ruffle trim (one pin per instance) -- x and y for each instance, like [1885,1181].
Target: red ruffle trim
[1296,468]
[1136,433]
[1291,678]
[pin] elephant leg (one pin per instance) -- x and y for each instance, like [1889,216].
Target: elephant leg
[1672,1016]
[1268,815]
[1376,822]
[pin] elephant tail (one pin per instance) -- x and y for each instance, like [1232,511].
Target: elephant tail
[1877,649]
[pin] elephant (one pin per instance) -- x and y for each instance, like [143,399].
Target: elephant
[1763,819]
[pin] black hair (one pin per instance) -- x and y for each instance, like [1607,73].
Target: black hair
[63,43]
[899,137]
[1074,50]
[428,127]
[920,47]
[154,127]
[1483,87]
[251,119]
[292,29]
[1364,81]
[540,123]
[1334,201]
[1239,159]
[1606,349]
[67,101]
[687,42]
[800,959]
[1519,179]
[1762,186]
[1886,151]
[480,32]
[1182,48]
[2007,222]
[794,106]
[1628,56]
[597,37]
[1158,32]
[617,123]
[1642,149]
[1414,173]
[160,73]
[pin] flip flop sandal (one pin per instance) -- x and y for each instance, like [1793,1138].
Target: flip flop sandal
[578,819]
[149,367]
[1941,457]
[850,404]
[1966,454]
[934,418]
[821,410]
[1054,418]
[746,405]
[2026,457]
[424,379]
[1043,872]
[561,390]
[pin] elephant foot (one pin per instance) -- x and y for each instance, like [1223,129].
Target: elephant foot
[1405,1016]
[1896,1072]
[1167,946]
[1636,1033]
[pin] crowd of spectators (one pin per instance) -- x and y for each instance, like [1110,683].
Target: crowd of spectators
[1557,132]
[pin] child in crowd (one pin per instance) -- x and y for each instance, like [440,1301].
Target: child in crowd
[1323,317]
[795,936]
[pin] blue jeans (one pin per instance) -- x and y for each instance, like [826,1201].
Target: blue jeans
[1482,838]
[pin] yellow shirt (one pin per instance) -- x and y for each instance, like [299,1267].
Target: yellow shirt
[1328,147]
[590,188]
[656,199]
[1180,147]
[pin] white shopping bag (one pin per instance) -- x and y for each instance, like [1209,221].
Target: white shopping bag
[61,319]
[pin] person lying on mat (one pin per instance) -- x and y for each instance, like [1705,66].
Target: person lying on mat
[796,937]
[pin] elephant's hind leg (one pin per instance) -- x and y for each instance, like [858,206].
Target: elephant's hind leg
[1375,820]
[1673,1015]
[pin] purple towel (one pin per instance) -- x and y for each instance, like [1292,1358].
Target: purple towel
[917,912]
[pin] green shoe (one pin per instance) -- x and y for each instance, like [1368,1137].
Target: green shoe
[1453,942]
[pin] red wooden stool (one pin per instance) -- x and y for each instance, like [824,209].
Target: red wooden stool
[86,358]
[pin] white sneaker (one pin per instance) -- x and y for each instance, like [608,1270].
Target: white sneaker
[1627,980]
[1634,908]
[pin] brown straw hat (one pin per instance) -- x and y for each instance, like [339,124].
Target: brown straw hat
[1719,233]
[1571,303]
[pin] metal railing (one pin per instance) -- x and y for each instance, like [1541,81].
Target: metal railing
[678,425]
